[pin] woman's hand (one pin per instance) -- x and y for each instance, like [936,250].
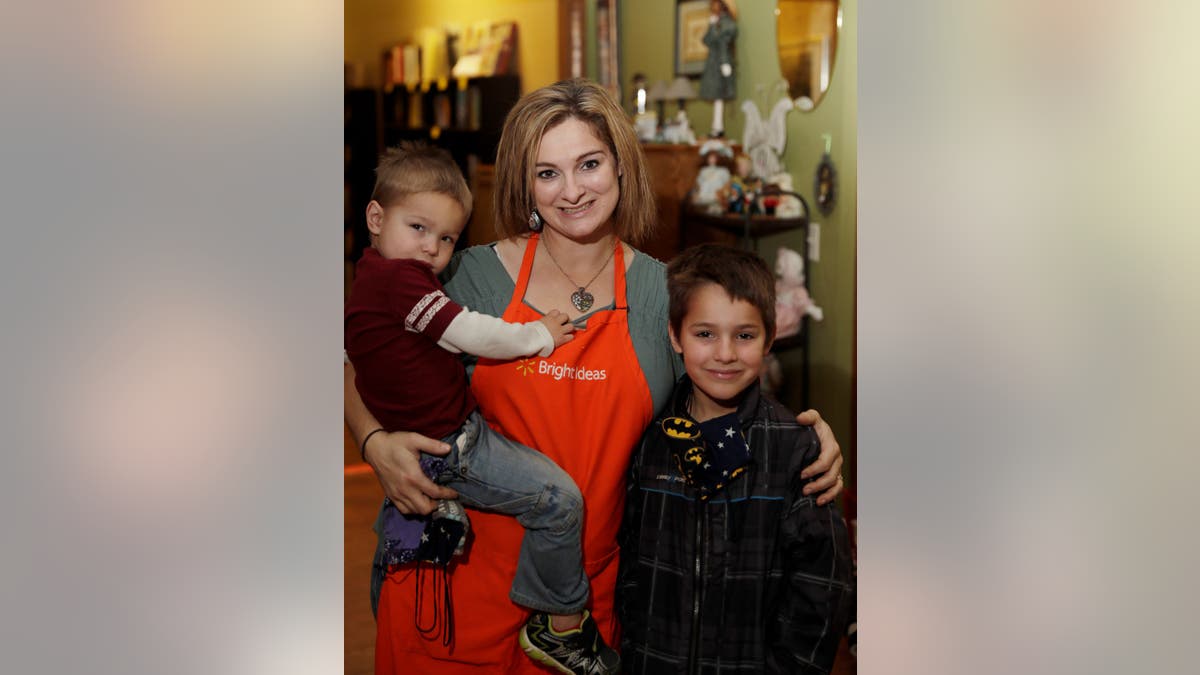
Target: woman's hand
[828,466]
[395,458]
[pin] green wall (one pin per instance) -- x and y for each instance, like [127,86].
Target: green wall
[647,35]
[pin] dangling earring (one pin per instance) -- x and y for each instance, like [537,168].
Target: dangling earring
[535,221]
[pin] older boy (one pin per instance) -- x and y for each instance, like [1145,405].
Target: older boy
[403,335]
[726,567]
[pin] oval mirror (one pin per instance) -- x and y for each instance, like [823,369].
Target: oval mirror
[806,32]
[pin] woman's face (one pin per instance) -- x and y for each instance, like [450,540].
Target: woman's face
[575,183]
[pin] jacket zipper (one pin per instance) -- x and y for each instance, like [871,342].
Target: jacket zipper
[697,587]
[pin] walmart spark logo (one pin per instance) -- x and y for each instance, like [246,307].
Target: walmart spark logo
[526,366]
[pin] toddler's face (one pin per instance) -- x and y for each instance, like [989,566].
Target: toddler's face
[422,226]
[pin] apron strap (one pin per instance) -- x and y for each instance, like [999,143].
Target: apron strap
[619,277]
[526,268]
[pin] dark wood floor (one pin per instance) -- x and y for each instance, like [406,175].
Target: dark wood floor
[363,495]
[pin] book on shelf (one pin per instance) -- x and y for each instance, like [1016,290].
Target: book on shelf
[505,40]
[416,116]
[441,109]
[396,113]
[461,112]
[412,66]
[435,59]
[393,67]
[496,48]
[474,108]
[470,50]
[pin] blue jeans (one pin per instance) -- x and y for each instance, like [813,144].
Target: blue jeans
[493,473]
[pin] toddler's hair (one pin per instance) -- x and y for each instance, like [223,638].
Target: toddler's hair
[413,167]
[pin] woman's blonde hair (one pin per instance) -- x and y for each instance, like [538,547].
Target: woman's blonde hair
[516,157]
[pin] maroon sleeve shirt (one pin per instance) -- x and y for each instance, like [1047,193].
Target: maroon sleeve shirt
[396,314]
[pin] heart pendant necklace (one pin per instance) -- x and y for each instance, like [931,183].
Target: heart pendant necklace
[581,299]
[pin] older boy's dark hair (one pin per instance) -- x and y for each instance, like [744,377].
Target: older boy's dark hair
[742,274]
[413,167]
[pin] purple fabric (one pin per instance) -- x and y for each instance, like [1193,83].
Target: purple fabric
[402,533]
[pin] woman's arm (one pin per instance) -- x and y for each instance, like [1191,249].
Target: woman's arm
[394,455]
[828,466]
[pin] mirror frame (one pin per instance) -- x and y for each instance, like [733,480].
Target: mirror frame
[825,71]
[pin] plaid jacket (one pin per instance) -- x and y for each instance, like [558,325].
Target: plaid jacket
[758,579]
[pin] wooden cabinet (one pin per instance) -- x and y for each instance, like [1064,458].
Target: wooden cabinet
[673,170]
[481,228]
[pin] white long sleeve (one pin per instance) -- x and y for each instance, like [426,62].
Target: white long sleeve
[490,337]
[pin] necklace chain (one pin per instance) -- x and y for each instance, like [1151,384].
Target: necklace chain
[581,298]
[564,272]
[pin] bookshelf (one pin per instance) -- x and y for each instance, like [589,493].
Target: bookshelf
[464,116]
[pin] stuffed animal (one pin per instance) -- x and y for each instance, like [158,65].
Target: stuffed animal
[792,301]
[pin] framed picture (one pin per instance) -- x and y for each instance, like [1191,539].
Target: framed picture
[691,22]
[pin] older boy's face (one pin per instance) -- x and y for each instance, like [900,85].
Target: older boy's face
[723,342]
[423,226]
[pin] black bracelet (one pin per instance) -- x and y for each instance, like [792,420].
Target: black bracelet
[362,449]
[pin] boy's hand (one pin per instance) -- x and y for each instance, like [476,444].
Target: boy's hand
[828,466]
[560,327]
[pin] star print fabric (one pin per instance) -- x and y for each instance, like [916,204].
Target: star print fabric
[408,538]
[707,454]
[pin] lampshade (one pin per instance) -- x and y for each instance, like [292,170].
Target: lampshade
[658,91]
[681,88]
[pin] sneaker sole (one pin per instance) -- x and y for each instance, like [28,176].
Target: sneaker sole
[536,654]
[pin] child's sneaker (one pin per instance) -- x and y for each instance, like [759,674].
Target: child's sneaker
[579,651]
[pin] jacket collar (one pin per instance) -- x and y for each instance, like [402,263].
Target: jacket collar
[746,408]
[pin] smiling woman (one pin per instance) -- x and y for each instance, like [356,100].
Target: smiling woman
[569,155]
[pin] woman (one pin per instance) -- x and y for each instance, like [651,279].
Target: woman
[572,190]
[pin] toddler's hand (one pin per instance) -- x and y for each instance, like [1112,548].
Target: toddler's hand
[560,327]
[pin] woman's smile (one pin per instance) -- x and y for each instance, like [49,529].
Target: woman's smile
[575,210]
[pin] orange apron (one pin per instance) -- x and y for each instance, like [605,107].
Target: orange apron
[585,406]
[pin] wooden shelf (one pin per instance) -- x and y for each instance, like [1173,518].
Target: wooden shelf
[750,228]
